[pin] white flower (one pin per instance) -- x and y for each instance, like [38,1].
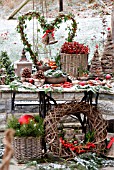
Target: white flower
[35,125]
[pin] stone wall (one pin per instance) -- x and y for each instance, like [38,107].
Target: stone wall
[105,103]
[5,100]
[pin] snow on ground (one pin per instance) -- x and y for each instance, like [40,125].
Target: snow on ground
[89,29]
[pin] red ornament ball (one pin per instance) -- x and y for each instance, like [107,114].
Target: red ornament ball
[31,80]
[82,83]
[25,119]
[97,46]
[108,77]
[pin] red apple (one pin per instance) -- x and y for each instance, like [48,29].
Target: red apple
[96,78]
[31,80]
[82,83]
[108,77]
[25,119]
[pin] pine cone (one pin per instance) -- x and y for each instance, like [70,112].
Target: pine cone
[26,73]
[40,75]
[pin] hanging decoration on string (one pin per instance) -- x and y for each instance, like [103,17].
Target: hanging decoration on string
[48,37]
[48,29]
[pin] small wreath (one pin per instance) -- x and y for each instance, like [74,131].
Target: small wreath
[94,119]
[46,28]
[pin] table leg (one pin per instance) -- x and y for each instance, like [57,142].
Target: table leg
[43,108]
[44,100]
[96,99]
[90,93]
[85,98]
[12,101]
[88,97]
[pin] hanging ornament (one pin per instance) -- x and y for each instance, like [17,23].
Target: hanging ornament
[48,37]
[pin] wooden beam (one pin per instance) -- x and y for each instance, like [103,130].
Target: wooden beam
[18,9]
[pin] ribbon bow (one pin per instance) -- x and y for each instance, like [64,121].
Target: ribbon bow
[47,32]
[110,143]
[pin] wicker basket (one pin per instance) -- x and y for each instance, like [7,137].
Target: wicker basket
[71,63]
[27,148]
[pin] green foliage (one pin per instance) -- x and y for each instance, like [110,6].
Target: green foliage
[89,137]
[89,161]
[57,60]
[54,73]
[34,128]
[6,63]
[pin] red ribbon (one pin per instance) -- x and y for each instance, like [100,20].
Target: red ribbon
[49,31]
[110,143]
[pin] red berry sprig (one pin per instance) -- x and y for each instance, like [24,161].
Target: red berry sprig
[78,148]
[74,48]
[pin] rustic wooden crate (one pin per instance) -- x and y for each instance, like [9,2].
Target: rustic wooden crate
[71,63]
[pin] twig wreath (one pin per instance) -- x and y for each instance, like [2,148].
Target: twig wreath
[46,28]
[93,122]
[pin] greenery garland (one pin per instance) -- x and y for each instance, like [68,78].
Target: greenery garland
[45,26]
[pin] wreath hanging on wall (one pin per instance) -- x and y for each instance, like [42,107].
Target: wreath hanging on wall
[46,28]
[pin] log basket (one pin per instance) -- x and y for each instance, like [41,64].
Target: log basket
[94,117]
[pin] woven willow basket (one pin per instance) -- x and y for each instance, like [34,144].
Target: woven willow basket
[27,148]
[72,63]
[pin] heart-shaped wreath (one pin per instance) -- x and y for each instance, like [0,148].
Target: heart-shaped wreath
[46,28]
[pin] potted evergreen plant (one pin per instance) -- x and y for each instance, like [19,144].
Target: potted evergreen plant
[29,131]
